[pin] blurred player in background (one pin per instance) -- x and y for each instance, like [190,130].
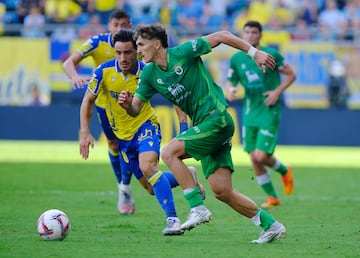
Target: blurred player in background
[101,48]
[138,138]
[261,110]
[180,76]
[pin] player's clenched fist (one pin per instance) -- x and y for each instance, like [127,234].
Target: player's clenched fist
[124,99]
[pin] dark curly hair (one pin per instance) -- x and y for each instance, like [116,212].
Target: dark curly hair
[153,31]
[125,36]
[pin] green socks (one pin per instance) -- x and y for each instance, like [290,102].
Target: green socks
[193,198]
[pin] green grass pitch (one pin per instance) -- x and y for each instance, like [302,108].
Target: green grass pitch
[321,216]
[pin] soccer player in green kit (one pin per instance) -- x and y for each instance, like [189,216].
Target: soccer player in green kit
[180,76]
[261,110]
[138,138]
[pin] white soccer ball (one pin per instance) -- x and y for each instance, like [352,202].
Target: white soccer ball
[53,225]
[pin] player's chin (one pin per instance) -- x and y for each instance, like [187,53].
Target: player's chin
[124,67]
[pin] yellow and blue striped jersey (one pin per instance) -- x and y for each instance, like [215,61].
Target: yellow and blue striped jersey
[101,48]
[110,81]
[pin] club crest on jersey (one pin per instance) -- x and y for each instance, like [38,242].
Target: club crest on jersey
[93,84]
[179,70]
[159,81]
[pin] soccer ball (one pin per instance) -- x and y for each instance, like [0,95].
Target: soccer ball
[53,225]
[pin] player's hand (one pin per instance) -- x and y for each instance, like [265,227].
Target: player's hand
[125,99]
[86,140]
[263,59]
[79,82]
[272,97]
[232,94]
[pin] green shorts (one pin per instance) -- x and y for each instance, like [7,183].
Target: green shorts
[262,138]
[210,142]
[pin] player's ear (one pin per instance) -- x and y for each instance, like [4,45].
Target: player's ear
[157,44]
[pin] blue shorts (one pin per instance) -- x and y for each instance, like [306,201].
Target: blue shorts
[104,122]
[147,138]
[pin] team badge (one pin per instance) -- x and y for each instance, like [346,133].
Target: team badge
[179,70]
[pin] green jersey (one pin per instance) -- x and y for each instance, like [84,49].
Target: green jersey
[245,71]
[185,82]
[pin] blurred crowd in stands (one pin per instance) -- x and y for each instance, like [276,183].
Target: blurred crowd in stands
[302,19]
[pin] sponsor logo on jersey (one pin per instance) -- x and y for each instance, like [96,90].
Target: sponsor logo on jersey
[114,94]
[252,76]
[159,81]
[176,89]
[193,44]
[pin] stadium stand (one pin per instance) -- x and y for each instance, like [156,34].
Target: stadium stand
[307,40]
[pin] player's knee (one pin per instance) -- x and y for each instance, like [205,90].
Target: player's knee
[113,146]
[148,168]
[221,193]
[259,157]
[165,156]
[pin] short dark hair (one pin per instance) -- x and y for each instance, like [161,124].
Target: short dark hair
[255,24]
[125,36]
[153,31]
[119,14]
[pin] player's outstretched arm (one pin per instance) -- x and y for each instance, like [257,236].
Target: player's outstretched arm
[130,103]
[69,67]
[261,58]
[85,138]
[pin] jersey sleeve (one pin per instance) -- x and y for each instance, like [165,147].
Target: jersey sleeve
[279,59]
[193,48]
[145,90]
[88,46]
[95,82]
